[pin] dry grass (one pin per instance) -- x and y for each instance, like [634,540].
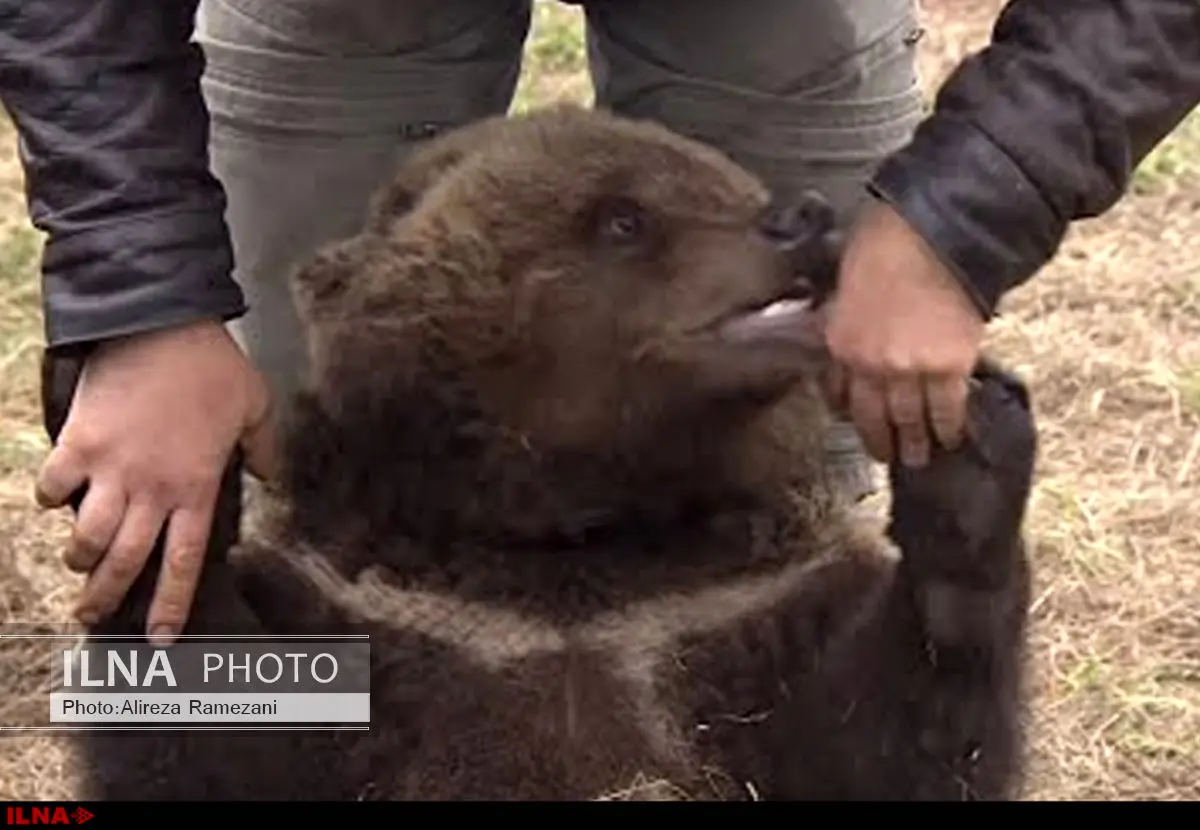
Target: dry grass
[1109,335]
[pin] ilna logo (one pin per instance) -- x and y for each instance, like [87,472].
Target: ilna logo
[46,815]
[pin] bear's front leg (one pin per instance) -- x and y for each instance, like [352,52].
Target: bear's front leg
[919,695]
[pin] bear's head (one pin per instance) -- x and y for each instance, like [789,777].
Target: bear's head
[558,321]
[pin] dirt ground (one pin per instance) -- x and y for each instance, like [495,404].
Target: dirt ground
[1109,337]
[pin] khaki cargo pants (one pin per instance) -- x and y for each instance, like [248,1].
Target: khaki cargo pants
[314,101]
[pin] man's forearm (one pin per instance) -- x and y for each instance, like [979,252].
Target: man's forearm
[1043,127]
[106,99]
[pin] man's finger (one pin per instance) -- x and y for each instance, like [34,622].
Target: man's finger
[183,560]
[906,410]
[96,525]
[947,400]
[126,557]
[868,411]
[61,475]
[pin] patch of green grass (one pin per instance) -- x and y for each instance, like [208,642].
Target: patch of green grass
[556,44]
[20,248]
[1175,159]
[20,294]
[555,67]
[1089,675]
[20,451]
[1188,384]
[1155,711]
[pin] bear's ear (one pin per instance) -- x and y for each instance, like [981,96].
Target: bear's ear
[393,202]
[320,285]
[428,162]
[419,173]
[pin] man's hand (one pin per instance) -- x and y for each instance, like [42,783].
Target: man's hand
[153,423]
[904,337]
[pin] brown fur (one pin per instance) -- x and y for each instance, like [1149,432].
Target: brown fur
[589,538]
[541,378]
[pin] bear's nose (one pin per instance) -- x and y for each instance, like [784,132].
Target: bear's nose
[794,224]
[806,236]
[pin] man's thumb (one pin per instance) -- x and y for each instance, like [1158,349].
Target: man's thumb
[260,452]
[259,445]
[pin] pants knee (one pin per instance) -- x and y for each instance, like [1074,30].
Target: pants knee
[314,102]
[806,95]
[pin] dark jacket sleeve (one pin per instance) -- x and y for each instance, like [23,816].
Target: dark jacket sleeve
[1043,127]
[113,138]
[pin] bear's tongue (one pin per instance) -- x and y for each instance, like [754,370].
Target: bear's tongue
[785,321]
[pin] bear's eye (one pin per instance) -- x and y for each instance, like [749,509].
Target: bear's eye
[621,221]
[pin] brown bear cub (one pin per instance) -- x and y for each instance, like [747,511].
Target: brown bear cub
[560,458]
